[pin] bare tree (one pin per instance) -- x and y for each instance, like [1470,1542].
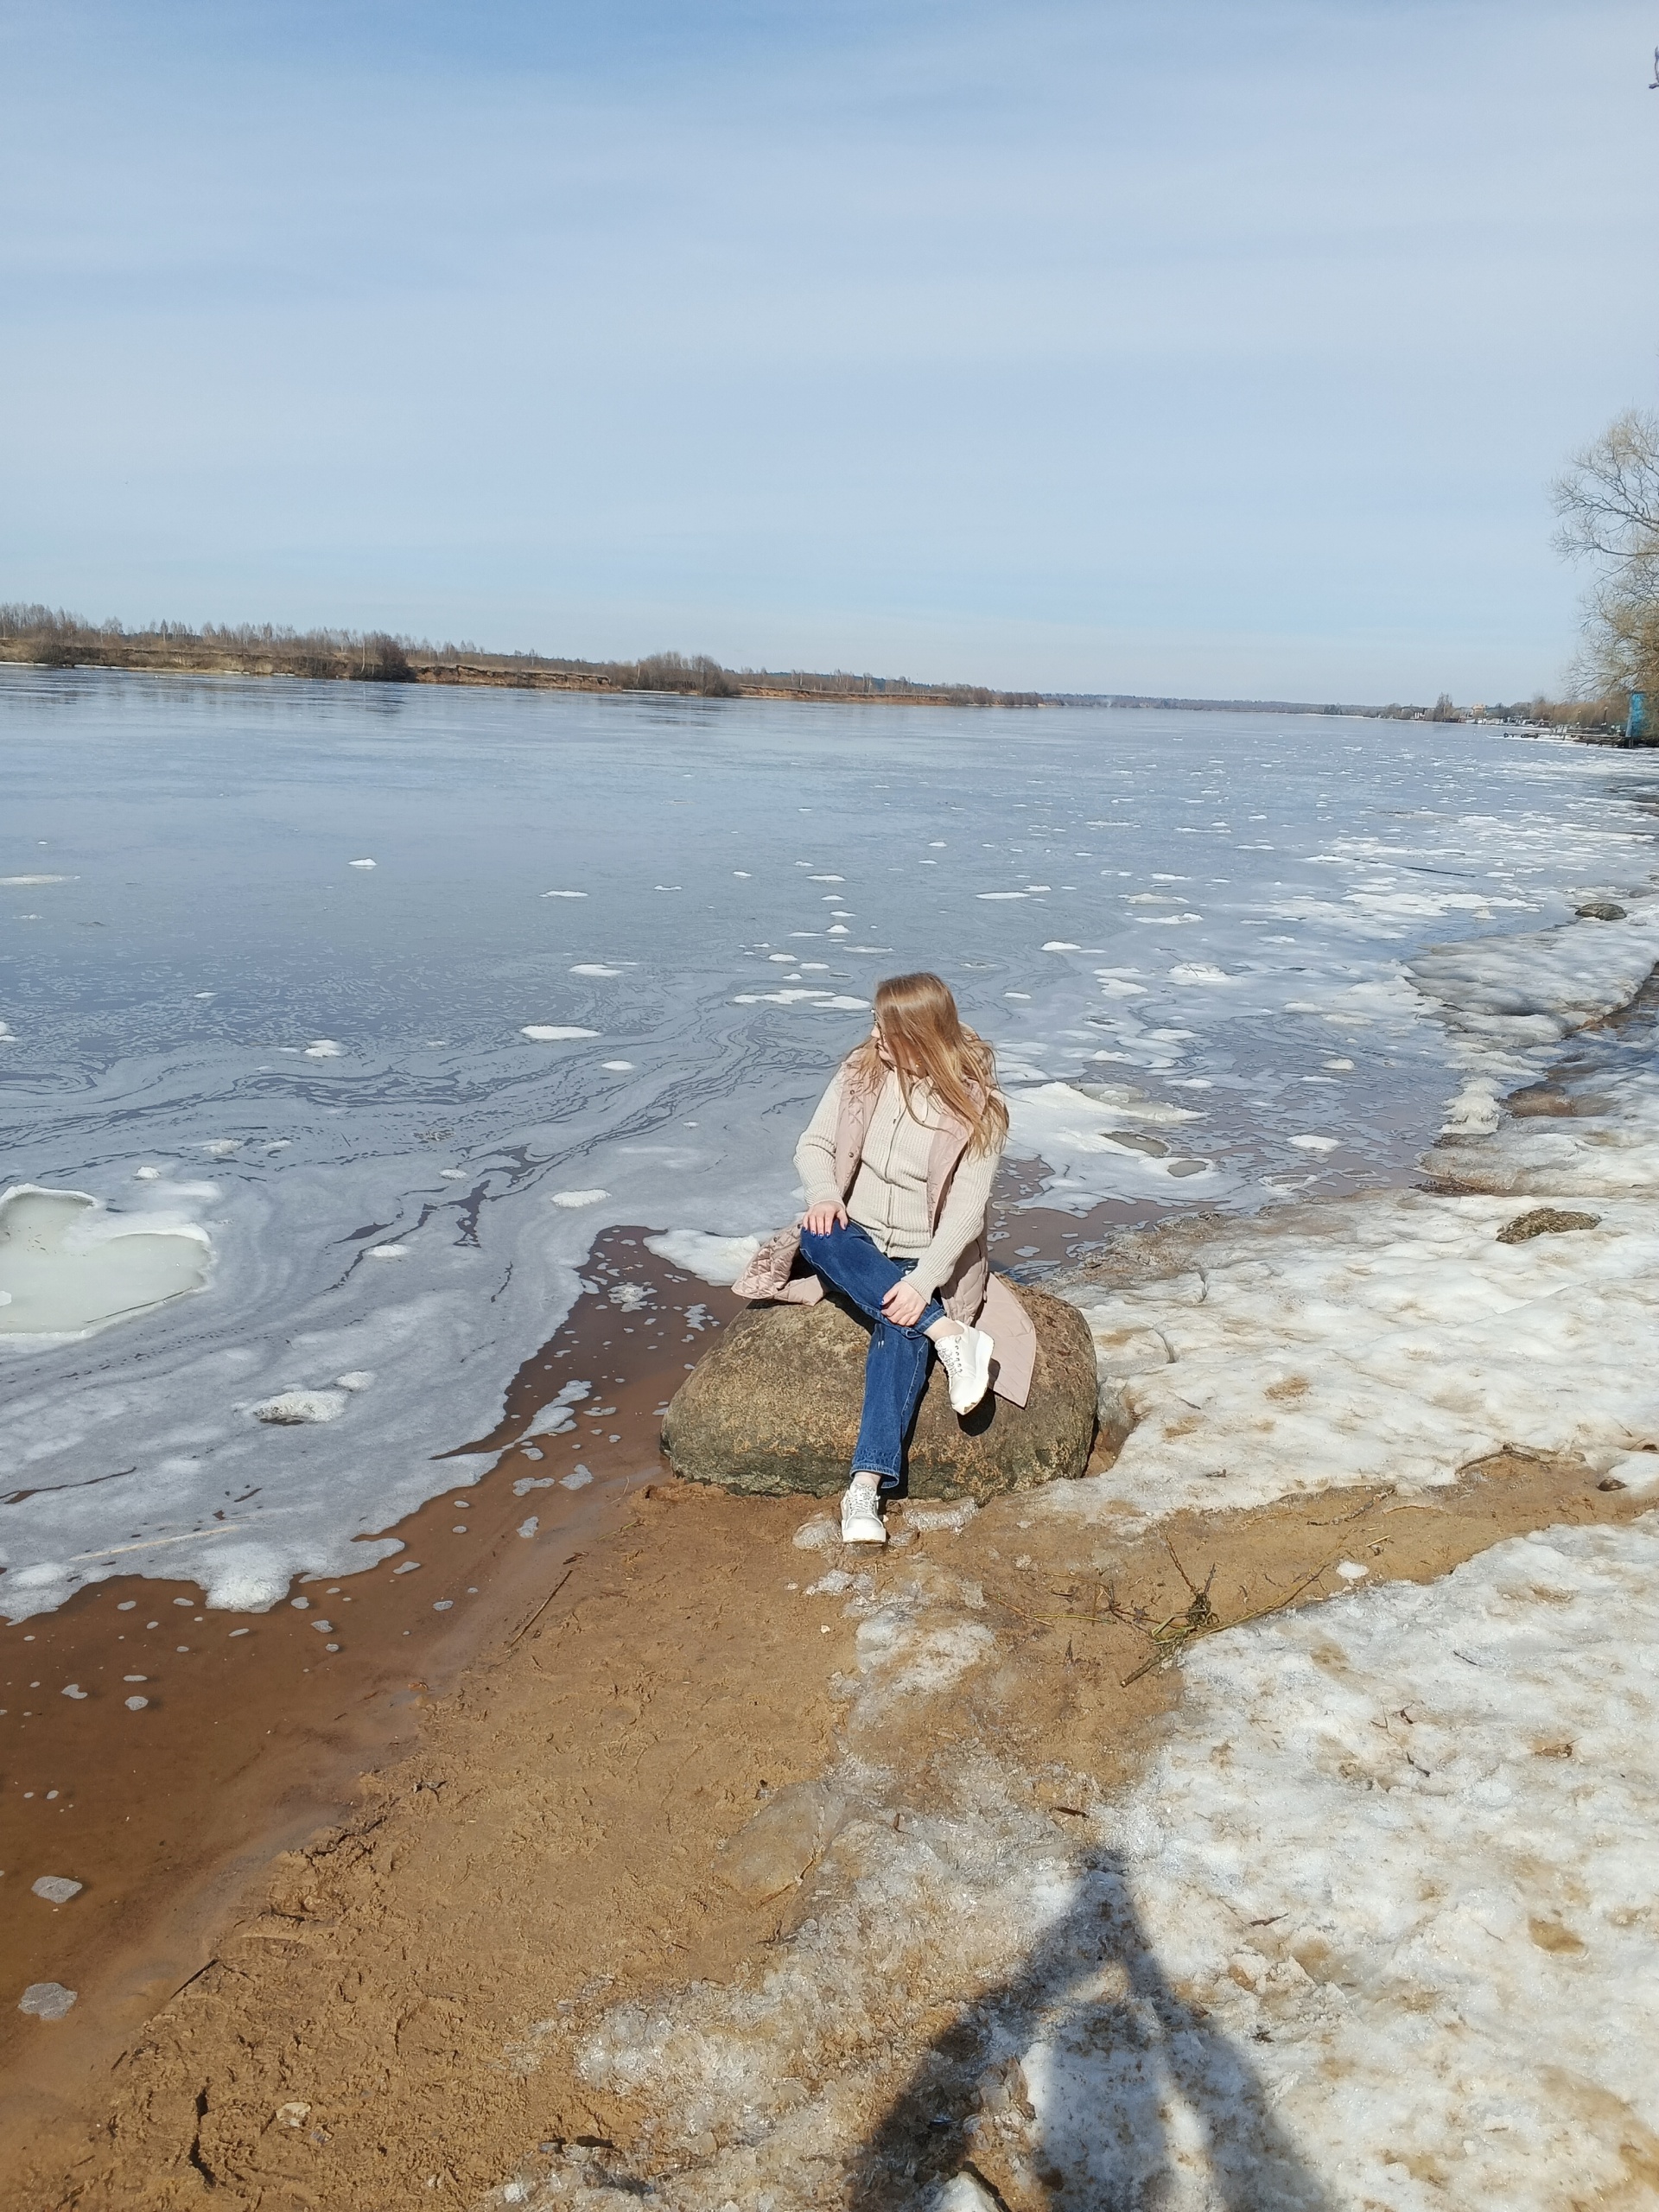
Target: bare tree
[1608,506]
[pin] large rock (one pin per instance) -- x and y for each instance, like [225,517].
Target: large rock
[774,1408]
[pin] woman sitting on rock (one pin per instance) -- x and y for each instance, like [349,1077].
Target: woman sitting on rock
[898,1163]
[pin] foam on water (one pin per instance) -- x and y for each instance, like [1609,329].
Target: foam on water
[395,1079]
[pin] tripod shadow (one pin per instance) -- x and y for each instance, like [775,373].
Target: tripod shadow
[1085,2081]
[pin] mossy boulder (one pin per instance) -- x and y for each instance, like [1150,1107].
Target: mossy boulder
[773,1409]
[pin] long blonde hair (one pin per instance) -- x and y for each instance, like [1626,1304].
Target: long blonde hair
[929,1042]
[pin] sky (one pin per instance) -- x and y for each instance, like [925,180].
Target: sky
[1215,347]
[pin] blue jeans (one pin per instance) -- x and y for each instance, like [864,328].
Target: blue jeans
[895,1371]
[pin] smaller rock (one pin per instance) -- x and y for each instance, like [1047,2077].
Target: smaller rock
[1545,1221]
[787,1835]
[58,1889]
[1611,1482]
[293,2114]
[46,2000]
[1599,910]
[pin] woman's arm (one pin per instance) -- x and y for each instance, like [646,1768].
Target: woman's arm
[960,1218]
[815,1155]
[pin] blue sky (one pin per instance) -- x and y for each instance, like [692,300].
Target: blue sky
[1224,349]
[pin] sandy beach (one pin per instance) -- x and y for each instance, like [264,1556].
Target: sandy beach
[402,2004]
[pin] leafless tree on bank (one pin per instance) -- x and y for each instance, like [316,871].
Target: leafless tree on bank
[1608,505]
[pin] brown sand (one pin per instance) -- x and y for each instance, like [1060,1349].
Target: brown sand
[394,2022]
[258,1726]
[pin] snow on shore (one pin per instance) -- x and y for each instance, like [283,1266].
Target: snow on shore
[1375,1929]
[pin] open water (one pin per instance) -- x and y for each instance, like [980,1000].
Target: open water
[369,1119]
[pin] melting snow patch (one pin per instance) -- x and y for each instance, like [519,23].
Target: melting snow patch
[1397,1344]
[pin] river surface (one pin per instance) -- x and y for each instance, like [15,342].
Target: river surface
[349,1130]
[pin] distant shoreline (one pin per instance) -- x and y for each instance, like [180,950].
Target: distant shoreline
[44,637]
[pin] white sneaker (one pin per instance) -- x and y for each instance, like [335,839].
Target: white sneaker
[861,1517]
[966,1359]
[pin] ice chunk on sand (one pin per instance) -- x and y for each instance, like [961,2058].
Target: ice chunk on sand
[300,1409]
[136,1704]
[548,1032]
[817,1535]
[576,1197]
[529,1528]
[74,1690]
[68,1268]
[46,2000]
[952,1518]
[717,1260]
[56,1889]
[578,1478]
[360,864]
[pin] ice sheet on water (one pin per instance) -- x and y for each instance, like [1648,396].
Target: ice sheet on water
[69,1267]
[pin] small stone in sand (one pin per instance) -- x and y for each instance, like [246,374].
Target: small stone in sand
[57,1888]
[46,2000]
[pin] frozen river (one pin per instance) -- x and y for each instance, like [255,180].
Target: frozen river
[358,1012]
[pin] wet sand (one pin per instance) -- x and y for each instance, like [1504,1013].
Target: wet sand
[258,1726]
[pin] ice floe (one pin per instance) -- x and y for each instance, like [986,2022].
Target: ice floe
[68,1266]
[550,1032]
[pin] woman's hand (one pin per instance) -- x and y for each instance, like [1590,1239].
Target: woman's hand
[819,1220]
[903,1306]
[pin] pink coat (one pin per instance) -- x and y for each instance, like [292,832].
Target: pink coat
[972,1294]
